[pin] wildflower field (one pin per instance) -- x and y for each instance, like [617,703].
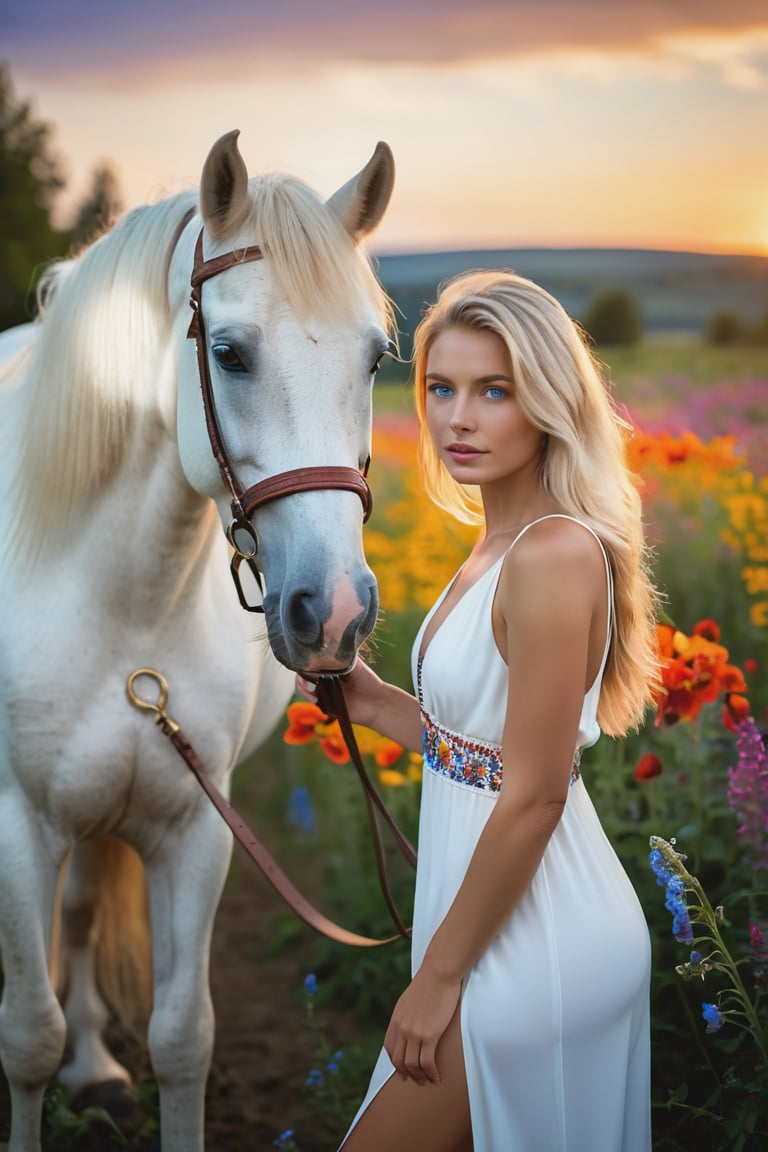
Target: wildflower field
[684,800]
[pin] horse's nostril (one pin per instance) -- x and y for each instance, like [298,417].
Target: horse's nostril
[303,619]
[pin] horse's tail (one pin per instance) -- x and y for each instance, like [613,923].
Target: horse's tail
[119,934]
[121,924]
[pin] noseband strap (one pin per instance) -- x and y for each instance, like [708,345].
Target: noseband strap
[307,480]
[244,501]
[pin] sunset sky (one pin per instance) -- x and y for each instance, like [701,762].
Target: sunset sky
[513,122]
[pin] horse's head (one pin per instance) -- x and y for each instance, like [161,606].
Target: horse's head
[291,342]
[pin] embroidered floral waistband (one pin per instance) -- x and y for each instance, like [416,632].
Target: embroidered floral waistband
[466,760]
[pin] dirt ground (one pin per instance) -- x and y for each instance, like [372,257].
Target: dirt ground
[263,1051]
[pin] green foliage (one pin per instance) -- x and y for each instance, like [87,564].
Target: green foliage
[30,180]
[100,209]
[737,1059]
[731,328]
[726,328]
[759,333]
[613,318]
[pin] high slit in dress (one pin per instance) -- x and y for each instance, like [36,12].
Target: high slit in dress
[555,1014]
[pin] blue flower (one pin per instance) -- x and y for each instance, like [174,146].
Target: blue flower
[315,1079]
[713,1017]
[300,812]
[695,957]
[310,985]
[675,898]
[284,1138]
[659,867]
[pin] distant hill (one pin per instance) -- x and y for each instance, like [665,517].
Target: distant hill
[676,291]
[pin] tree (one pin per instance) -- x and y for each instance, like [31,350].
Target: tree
[614,318]
[726,328]
[101,208]
[759,334]
[30,180]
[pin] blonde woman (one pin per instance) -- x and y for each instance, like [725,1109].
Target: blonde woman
[526,1025]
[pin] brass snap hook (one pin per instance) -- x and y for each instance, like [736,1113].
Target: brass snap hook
[148,705]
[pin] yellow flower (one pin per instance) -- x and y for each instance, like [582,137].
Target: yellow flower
[391,778]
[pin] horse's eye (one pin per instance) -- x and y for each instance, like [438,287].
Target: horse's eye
[390,350]
[227,358]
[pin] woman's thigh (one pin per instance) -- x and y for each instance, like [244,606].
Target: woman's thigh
[430,1117]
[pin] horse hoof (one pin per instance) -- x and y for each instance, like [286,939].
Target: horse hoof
[115,1097]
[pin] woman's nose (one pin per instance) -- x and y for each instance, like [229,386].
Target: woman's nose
[461,416]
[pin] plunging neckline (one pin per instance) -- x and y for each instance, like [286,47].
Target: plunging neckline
[442,598]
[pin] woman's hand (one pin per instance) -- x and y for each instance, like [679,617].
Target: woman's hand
[418,1022]
[362,691]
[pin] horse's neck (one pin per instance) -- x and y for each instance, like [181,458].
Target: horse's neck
[160,534]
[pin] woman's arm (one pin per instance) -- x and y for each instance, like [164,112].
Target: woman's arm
[550,593]
[376,704]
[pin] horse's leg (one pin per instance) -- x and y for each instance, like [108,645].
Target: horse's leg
[32,1027]
[86,1014]
[186,877]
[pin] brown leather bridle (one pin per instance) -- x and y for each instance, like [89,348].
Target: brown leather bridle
[244,501]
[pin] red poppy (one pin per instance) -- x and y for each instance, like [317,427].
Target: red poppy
[332,744]
[647,767]
[388,754]
[750,666]
[303,718]
[735,709]
[708,629]
[731,679]
[665,640]
[694,671]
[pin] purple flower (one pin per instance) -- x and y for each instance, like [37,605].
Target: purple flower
[695,957]
[748,791]
[713,1017]
[759,955]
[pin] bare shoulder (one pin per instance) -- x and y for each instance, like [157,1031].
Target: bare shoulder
[554,556]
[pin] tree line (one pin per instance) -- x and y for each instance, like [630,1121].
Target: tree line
[31,180]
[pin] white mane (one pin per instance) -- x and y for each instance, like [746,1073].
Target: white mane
[96,359]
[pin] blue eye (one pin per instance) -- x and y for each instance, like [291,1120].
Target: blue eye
[495,393]
[444,391]
[227,358]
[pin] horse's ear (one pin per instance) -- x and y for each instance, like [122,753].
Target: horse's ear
[224,199]
[362,201]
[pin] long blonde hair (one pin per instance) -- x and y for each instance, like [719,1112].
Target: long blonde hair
[561,390]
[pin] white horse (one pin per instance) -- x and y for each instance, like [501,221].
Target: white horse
[111,505]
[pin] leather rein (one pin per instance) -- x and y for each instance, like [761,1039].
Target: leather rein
[244,541]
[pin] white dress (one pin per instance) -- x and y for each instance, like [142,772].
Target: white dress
[555,1014]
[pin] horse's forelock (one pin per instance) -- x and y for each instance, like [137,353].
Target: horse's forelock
[313,259]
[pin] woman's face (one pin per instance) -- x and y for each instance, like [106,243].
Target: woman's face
[480,432]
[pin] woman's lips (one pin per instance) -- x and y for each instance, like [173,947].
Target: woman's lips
[463,453]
